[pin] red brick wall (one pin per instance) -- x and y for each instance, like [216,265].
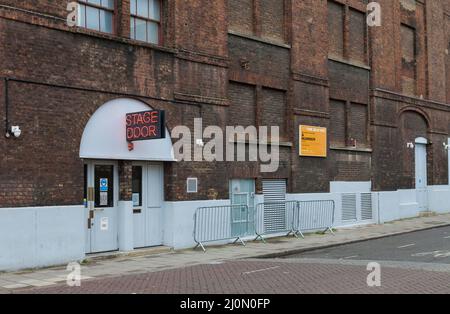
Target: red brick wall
[280,75]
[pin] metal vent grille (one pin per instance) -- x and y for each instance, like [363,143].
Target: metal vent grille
[366,206]
[348,207]
[274,205]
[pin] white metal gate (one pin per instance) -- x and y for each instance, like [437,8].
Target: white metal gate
[275,214]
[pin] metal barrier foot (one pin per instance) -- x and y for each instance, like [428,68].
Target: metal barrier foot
[239,240]
[329,229]
[260,237]
[300,233]
[200,245]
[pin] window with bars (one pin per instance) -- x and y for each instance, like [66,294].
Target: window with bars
[97,15]
[146,20]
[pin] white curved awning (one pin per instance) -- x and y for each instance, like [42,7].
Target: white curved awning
[104,136]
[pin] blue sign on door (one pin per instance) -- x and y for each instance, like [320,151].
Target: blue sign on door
[103,185]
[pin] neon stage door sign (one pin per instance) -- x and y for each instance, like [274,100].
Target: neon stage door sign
[145,125]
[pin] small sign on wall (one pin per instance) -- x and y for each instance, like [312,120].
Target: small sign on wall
[313,141]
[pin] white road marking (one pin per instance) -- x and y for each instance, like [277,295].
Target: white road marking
[435,254]
[349,257]
[405,246]
[260,270]
[447,237]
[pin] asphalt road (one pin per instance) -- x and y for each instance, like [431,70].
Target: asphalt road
[429,246]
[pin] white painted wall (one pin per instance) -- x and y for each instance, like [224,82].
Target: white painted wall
[403,204]
[41,236]
[179,222]
[350,187]
[439,198]
[45,236]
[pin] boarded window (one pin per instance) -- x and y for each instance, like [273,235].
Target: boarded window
[337,123]
[408,42]
[240,16]
[274,109]
[272,19]
[358,124]
[242,110]
[336,28]
[357,36]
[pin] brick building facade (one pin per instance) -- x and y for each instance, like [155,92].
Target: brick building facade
[235,62]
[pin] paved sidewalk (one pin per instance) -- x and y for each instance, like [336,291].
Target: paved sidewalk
[264,276]
[132,264]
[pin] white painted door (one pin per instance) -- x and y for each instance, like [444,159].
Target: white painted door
[102,209]
[148,199]
[421,173]
[242,192]
[448,154]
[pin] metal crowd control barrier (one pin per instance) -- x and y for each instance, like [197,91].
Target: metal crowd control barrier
[294,217]
[220,223]
[273,218]
[313,215]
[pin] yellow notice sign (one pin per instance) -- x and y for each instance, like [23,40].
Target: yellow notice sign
[313,141]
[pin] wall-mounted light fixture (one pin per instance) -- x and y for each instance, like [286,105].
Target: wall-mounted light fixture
[410,145]
[446,146]
[14,131]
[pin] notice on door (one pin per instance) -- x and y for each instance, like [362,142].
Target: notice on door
[313,141]
[103,185]
[104,224]
[103,198]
